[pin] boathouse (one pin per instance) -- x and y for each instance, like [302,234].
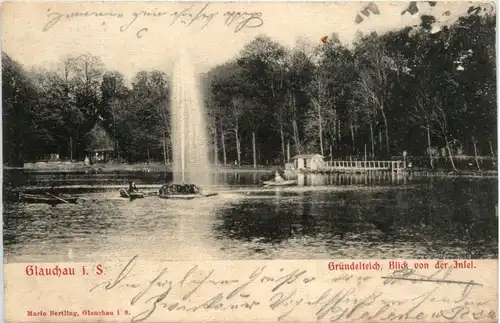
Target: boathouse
[308,161]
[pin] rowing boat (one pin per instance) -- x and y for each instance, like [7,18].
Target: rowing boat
[47,199]
[131,195]
[281,183]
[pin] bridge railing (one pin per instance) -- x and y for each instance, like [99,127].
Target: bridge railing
[368,164]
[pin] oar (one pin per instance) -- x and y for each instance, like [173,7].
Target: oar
[126,192]
[60,199]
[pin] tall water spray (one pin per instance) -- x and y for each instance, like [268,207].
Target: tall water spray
[190,142]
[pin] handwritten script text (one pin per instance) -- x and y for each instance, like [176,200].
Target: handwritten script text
[195,15]
[300,294]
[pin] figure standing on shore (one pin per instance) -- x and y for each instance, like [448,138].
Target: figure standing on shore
[277,177]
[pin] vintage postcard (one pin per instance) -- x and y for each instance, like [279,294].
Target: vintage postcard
[250,162]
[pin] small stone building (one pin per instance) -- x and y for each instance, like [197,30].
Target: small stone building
[99,145]
[308,161]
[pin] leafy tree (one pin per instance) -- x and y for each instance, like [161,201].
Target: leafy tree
[264,67]
[376,80]
[19,100]
[114,91]
[300,75]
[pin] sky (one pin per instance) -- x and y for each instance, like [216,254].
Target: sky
[133,36]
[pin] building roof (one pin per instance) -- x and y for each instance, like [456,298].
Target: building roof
[307,156]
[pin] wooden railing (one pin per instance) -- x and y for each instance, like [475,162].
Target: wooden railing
[368,165]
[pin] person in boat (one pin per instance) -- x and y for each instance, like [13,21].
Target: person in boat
[277,177]
[132,187]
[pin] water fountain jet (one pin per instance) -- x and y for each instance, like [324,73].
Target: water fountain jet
[191,166]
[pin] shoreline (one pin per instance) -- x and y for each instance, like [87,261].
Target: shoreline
[108,168]
[61,168]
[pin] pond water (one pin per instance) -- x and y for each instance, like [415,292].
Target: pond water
[325,217]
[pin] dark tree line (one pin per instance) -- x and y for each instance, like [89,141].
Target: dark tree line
[80,106]
[430,93]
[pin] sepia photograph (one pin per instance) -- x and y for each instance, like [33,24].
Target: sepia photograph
[249,162]
[227,131]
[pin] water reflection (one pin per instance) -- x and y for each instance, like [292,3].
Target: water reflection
[333,216]
[372,178]
[437,218]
